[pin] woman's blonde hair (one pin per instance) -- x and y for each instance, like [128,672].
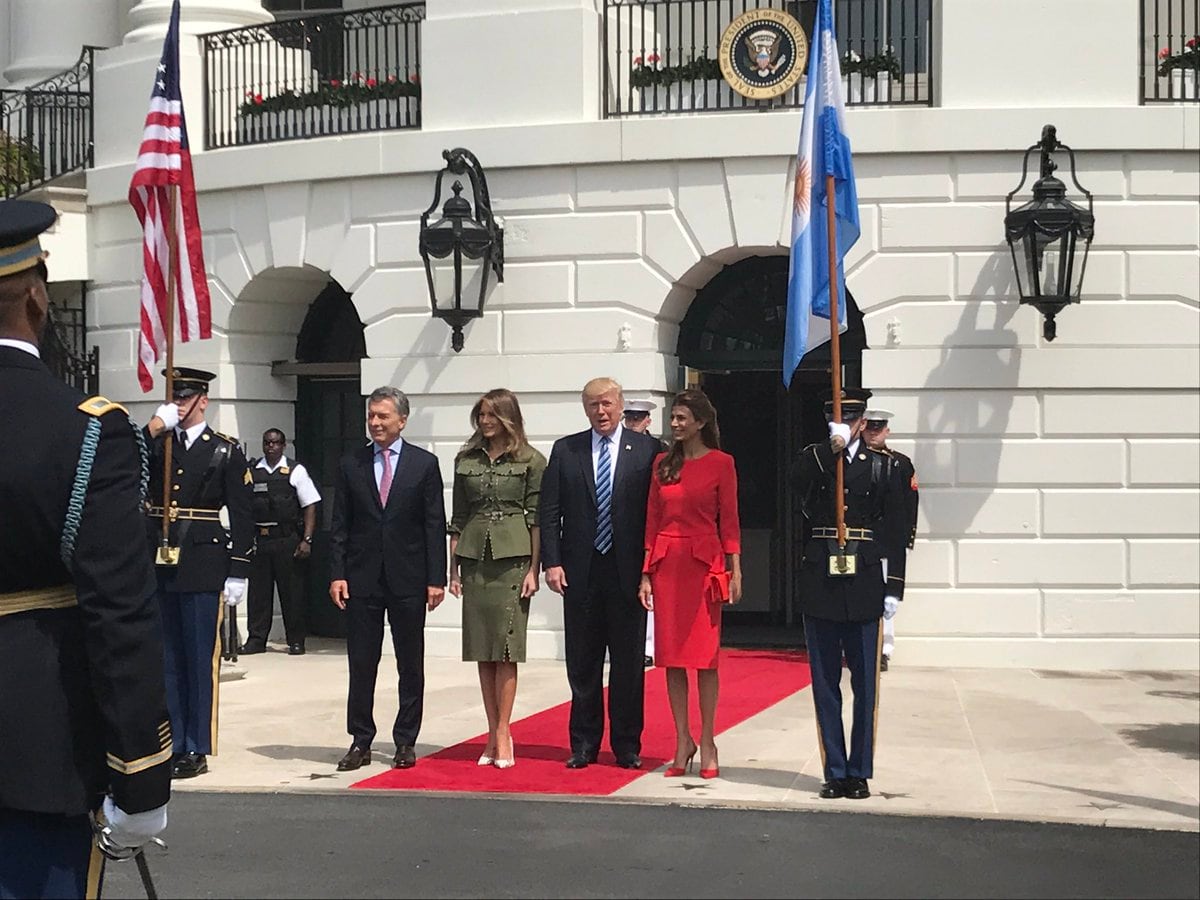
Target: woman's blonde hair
[507,411]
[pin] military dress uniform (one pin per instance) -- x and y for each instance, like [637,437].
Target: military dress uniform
[82,708]
[842,612]
[208,471]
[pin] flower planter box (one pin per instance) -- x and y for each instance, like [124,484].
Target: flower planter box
[866,90]
[1183,84]
[366,115]
[687,97]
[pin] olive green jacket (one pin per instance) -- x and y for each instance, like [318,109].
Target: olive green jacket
[495,502]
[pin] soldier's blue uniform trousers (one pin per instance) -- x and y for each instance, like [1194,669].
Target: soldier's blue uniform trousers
[45,855]
[827,640]
[191,655]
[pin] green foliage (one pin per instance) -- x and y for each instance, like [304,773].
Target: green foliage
[332,93]
[649,73]
[884,62]
[20,164]
[1187,58]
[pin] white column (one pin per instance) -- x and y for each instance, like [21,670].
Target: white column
[556,42]
[47,36]
[1030,53]
[147,20]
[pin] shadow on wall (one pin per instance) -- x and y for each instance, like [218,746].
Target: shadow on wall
[993,360]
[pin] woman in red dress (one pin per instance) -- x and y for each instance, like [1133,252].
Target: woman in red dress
[692,567]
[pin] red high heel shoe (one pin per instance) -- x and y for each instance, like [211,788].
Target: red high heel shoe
[677,771]
[715,771]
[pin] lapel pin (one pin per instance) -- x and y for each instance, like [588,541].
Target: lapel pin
[628,446]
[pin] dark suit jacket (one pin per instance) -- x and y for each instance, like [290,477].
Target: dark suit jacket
[398,551]
[83,710]
[567,511]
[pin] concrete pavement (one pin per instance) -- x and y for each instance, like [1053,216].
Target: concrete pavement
[1099,748]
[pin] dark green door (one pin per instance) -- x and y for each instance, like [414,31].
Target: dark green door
[329,423]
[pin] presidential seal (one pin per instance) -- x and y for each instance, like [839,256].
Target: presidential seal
[763,53]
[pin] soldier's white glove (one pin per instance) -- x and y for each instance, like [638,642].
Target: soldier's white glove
[235,591]
[133,830]
[890,605]
[169,414]
[840,430]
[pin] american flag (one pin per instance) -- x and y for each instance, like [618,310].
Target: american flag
[163,160]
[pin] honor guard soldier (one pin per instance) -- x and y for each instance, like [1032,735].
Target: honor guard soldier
[284,505]
[637,418]
[875,434]
[83,716]
[200,561]
[843,591]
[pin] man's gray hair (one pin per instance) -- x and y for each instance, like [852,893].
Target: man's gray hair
[387,392]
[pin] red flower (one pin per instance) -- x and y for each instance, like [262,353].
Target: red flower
[653,58]
[637,60]
[258,99]
[333,82]
[1192,43]
[371,82]
[1164,53]
[414,78]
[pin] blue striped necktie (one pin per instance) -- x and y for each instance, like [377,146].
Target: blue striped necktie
[604,532]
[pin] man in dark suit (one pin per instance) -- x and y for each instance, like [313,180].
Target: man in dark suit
[844,591]
[201,563]
[388,554]
[83,713]
[593,533]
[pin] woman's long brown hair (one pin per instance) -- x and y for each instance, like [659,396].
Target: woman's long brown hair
[508,411]
[702,410]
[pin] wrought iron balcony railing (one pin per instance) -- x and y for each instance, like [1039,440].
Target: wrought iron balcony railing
[1170,48]
[314,76]
[662,56]
[46,128]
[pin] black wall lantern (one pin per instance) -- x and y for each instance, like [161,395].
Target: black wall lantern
[1045,236]
[465,231]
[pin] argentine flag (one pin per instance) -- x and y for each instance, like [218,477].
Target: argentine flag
[824,150]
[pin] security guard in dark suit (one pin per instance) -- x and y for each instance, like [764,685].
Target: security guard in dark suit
[83,717]
[200,561]
[875,434]
[844,594]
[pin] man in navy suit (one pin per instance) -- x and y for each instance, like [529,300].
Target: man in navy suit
[593,533]
[388,554]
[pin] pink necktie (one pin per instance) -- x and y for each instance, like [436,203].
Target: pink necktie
[385,480]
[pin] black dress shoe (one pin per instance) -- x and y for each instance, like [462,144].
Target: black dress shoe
[296,649]
[856,789]
[405,758]
[189,765]
[832,790]
[629,761]
[580,759]
[356,757]
[252,647]
[883,663]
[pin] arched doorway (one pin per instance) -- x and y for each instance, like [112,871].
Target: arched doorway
[329,422]
[731,343]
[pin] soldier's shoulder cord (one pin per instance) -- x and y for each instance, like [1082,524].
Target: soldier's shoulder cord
[94,408]
[229,439]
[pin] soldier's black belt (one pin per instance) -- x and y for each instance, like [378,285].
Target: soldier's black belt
[275,530]
[61,597]
[852,534]
[187,512]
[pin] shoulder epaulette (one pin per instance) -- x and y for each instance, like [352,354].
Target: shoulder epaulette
[98,406]
[226,438]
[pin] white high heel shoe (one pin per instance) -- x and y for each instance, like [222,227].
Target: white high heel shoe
[485,760]
[506,763]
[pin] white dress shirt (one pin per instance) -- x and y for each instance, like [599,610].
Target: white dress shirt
[193,433]
[613,446]
[21,345]
[393,449]
[298,478]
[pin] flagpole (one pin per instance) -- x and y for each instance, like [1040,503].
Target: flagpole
[172,263]
[835,345]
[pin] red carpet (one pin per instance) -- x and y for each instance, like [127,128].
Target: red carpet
[751,681]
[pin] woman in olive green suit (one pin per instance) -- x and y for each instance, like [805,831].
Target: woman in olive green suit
[494,555]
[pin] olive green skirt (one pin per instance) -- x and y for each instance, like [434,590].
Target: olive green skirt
[494,617]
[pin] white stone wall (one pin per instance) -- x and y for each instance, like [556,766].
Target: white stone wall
[1059,481]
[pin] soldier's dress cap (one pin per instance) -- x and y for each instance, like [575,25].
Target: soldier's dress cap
[21,221]
[642,407]
[190,381]
[854,402]
[880,416]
